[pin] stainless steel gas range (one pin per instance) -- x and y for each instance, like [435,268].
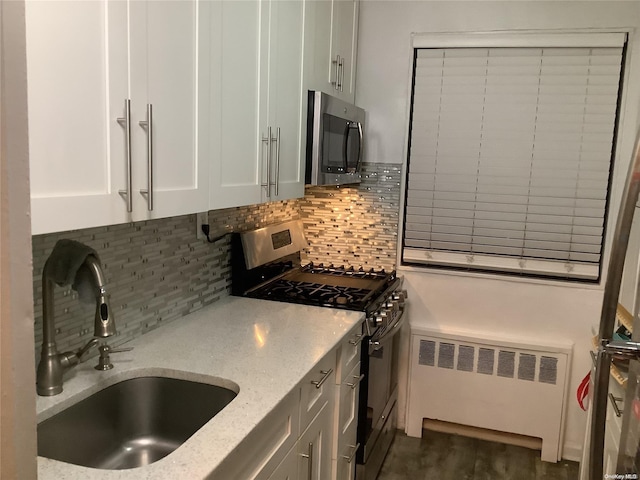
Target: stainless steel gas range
[266,265]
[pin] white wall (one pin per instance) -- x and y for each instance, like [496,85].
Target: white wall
[488,303]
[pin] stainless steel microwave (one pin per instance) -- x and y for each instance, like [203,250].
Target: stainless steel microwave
[334,141]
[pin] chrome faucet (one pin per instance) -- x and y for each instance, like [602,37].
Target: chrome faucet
[53,364]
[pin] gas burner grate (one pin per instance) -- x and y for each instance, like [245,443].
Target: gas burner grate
[346,272]
[318,294]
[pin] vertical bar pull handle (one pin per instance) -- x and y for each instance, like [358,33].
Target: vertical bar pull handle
[277,172]
[268,140]
[126,123]
[309,456]
[341,77]
[148,123]
[336,83]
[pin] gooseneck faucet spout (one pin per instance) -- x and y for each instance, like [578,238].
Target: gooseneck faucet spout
[52,364]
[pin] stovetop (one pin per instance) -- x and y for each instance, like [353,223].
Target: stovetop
[265,263]
[330,286]
[327,286]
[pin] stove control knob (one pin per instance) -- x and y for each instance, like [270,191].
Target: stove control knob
[379,318]
[400,296]
[392,305]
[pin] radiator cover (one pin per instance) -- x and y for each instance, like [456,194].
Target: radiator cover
[499,383]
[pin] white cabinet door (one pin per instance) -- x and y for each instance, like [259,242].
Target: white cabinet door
[85,59]
[314,447]
[256,87]
[284,105]
[77,72]
[331,34]
[319,72]
[288,468]
[344,37]
[347,421]
[165,94]
[234,133]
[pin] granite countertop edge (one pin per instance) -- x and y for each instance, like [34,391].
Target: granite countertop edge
[259,348]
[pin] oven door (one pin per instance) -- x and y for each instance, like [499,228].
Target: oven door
[378,395]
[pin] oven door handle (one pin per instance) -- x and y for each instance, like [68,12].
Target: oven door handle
[378,343]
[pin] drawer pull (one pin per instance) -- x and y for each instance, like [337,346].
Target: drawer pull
[355,384]
[326,374]
[310,457]
[357,341]
[350,458]
[614,404]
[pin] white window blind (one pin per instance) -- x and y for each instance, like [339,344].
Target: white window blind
[510,153]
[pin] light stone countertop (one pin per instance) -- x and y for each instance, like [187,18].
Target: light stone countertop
[265,348]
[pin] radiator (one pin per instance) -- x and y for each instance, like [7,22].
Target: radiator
[502,384]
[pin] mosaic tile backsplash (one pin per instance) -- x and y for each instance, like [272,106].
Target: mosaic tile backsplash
[157,271]
[355,226]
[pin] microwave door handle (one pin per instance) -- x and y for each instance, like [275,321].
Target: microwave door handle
[361,146]
[345,141]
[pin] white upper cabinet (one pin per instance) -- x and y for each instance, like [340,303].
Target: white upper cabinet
[234,107]
[344,42]
[165,103]
[331,42]
[77,83]
[256,61]
[86,61]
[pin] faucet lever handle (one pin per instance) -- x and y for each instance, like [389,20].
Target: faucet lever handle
[118,350]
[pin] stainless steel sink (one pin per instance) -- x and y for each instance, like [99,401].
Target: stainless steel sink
[132,423]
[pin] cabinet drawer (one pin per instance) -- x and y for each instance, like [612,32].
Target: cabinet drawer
[347,449]
[265,447]
[314,447]
[348,401]
[317,389]
[349,353]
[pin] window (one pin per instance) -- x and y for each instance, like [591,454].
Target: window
[510,152]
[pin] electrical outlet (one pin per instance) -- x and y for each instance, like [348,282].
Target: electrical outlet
[201,219]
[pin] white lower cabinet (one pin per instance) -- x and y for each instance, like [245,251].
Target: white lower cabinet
[311,435]
[261,452]
[314,446]
[347,396]
[347,422]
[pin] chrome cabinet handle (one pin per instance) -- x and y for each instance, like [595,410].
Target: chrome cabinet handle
[350,458]
[277,173]
[326,374]
[267,140]
[614,404]
[357,341]
[126,123]
[310,457]
[148,123]
[341,77]
[335,83]
[355,384]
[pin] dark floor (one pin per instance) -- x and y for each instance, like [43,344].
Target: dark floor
[441,456]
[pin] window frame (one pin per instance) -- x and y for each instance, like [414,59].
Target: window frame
[524,39]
